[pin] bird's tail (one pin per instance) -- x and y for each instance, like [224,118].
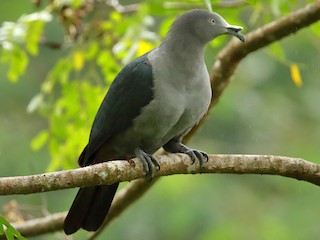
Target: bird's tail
[89,208]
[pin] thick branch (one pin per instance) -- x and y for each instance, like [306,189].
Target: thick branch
[121,171]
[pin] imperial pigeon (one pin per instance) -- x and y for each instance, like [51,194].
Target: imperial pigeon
[153,102]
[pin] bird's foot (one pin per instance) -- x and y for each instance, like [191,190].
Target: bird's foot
[148,162]
[196,154]
[177,147]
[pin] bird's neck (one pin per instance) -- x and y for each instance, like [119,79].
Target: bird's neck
[183,48]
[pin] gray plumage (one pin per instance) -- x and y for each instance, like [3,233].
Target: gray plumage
[152,103]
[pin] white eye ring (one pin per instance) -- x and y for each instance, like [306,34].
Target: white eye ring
[212,20]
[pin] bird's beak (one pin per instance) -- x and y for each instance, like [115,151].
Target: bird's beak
[235,31]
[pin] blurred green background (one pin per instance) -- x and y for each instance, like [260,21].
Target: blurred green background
[262,111]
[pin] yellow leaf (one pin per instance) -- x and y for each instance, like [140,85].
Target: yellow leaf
[295,75]
[144,47]
[78,60]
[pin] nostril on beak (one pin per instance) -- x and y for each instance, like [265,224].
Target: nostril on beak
[235,28]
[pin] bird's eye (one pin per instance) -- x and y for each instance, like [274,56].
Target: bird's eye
[212,20]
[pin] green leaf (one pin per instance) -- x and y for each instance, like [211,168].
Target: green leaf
[1,227]
[18,61]
[10,231]
[9,235]
[33,35]
[39,141]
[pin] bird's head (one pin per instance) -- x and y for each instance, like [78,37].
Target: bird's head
[205,26]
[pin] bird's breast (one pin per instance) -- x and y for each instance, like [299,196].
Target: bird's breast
[182,94]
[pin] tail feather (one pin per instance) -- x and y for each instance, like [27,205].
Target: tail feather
[89,208]
[100,207]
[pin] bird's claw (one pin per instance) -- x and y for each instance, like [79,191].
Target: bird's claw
[148,162]
[178,147]
[196,154]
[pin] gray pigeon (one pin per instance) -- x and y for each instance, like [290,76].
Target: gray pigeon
[153,102]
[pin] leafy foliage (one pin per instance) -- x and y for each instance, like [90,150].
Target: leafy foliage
[19,38]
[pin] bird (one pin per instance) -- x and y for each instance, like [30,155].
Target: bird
[153,102]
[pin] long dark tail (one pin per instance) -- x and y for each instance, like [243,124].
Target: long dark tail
[89,208]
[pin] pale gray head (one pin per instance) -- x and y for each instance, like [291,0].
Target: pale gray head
[203,26]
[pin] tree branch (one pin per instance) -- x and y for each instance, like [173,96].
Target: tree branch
[122,171]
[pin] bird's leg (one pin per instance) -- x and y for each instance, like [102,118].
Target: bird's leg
[177,147]
[148,161]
